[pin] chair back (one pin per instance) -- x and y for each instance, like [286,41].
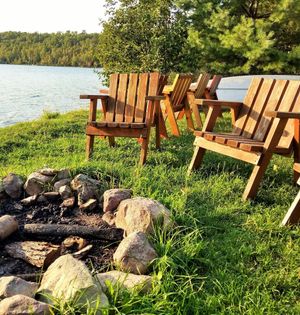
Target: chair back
[268,95]
[180,88]
[127,95]
[201,85]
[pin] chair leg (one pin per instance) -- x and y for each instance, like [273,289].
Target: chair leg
[144,150]
[196,159]
[188,116]
[256,177]
[89,146]
[195,110]
[111,141]
[157,133]
[172,118]
[293,214]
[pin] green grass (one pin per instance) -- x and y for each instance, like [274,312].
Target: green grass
[225,257]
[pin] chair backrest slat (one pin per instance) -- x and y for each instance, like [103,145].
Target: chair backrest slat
[248,102]
[214,84]
[256,111]
[201,85]
[131,97]
[121,97]
[264,124]
[181,87]
[289,103]
[139,114]
[112,92]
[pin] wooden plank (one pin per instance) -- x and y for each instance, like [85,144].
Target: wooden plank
[250,157]
[214,85]
[116,132]
[111,103]
[247,105]
[201,85]
[139,114]
[258,108]
[121,97]
[131,97]
[290,102]
[273,103]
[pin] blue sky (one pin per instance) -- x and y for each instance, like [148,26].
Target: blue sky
[51,15]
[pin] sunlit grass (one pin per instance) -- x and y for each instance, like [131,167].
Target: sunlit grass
[225,256]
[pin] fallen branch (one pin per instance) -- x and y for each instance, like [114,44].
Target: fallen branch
[64,230]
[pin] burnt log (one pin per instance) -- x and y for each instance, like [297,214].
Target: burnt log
[64,230]
[39,254]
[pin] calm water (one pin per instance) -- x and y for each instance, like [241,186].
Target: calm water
[27,91]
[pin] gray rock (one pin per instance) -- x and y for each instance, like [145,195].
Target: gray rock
[29,201]
[134,254]
[124,280]
[11,285]
[8,225]
[65,192]
[86,187]
[109,218]
[89,206]
[60,183]
[36,182]
[141,214]
[41,199]
[113,197]
[68,203]
[69,279]
[23,305]
[63,173]
[13,185]
[48,171]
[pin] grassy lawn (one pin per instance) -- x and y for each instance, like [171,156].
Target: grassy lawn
[226,256]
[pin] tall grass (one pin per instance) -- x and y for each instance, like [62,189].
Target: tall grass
[225,256]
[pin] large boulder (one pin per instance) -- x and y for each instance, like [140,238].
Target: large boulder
[124,280]
[23,305]
[36,183]
[69,279]
[86,187]
[11,285]
[113,197]
[134,253]
[13,185]
[141,214]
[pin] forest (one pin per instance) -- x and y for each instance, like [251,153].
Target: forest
[60,49]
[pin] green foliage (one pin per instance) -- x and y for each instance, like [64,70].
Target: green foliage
[224,257]
[242,37]
[226,37]
[59,49]
[142,35]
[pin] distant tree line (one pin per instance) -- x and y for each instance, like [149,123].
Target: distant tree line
[61,49]
[228,37]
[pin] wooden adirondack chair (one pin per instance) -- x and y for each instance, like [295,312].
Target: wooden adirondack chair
[261,128]
[128,109]
[175,101]
[293,214]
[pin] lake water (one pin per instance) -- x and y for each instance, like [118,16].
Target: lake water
[27,91]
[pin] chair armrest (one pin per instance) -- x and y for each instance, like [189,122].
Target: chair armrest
[282,115]
[155,98]
[218,103]
[93,97]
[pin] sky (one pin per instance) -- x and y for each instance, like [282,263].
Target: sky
[48,16]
